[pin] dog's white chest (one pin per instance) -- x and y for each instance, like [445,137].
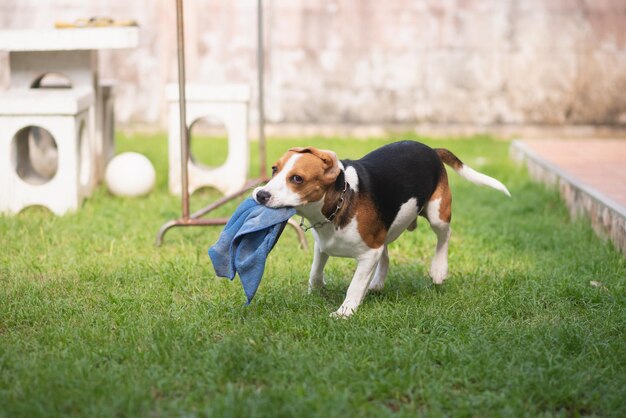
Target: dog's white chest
[344,242]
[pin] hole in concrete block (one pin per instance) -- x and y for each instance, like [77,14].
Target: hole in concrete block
[34,155]
[208,142]
[51,81]
[35,211]
[206,194]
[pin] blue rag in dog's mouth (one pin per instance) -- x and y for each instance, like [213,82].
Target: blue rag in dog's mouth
[246,241]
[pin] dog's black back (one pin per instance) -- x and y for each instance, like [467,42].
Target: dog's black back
[397,172]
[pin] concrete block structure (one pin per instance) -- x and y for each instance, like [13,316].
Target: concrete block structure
[229,105]
[46,155]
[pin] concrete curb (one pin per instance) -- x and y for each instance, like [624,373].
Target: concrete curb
[608,218]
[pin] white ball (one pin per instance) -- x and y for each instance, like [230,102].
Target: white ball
[130,174]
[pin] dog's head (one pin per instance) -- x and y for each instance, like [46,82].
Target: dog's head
[299,177]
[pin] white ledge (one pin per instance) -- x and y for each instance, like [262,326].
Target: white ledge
[22,102]
[69,39]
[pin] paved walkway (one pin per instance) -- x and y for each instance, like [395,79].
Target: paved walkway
[591,175]
[600,164]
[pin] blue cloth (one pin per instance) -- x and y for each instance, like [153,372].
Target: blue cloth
[245,242]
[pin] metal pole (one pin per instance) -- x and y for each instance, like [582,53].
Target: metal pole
[184,143]
[194,219]
[260,64]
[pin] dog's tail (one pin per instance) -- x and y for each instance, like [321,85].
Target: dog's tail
[469,173]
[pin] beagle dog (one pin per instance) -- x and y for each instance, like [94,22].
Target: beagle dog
[356,208]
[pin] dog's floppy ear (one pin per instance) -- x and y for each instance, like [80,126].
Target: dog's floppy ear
[329,158]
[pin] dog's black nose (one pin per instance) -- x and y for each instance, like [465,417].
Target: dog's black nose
[263,197]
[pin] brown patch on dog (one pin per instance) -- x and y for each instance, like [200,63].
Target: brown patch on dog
[343,215]
[315,179]
[317,168]
[282,161]
[370,225]
[448,158]
[329,158]
[442,191]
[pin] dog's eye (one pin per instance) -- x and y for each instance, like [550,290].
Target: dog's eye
[296,179]
[274,170]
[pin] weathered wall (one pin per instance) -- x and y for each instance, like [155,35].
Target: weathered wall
[367,61]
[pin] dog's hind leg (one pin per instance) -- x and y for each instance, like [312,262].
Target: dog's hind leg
[439,266]
[316,278]
[378,282]
[439,215]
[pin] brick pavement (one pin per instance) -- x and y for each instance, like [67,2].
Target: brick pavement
[599,163]
[590,175]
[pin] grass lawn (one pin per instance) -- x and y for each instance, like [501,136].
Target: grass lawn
[97,322]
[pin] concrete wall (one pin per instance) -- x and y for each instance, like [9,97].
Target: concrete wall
[367,61]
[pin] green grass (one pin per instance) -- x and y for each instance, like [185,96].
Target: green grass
[97,322]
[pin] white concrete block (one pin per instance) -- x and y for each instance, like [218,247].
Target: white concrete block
[68,181]
[228,104]
[80,69]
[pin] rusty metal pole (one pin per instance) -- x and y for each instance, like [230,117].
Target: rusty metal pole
[184,134]
[195,218]
[260,74]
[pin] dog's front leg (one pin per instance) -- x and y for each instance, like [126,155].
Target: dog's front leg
[359,284]
[316,278]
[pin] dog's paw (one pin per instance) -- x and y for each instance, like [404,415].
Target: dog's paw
[376,286]
[344,312]
[316,285]
[438,274]
[314,289]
